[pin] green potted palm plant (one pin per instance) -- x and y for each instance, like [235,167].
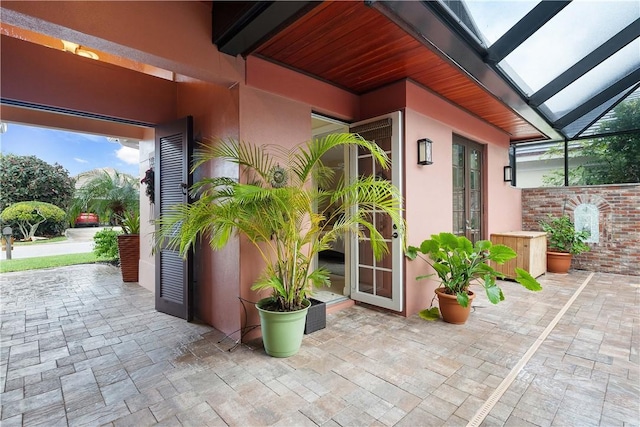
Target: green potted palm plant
[129,245]
[286,206]
[458,263]
[564,241]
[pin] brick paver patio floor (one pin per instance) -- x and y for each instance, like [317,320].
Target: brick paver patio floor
[79,347]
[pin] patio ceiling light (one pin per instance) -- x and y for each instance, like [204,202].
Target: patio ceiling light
[76,49]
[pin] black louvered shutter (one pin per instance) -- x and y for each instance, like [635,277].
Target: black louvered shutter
[174,146]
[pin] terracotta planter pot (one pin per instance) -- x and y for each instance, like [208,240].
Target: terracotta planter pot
[450,310]
[129,250]
[558,262]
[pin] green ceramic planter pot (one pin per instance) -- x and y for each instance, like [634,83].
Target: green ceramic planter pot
[282,331]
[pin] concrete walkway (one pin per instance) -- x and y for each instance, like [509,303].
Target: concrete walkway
[80,347]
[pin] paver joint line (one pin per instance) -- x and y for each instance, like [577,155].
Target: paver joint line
[504,385]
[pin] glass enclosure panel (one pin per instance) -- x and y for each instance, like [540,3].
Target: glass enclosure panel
[599,78]
[494,18]
[538,60]
[618,119]
[540,165]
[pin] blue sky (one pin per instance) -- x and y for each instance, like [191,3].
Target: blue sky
[76,152]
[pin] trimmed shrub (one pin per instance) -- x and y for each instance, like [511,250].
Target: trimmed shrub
[28,216]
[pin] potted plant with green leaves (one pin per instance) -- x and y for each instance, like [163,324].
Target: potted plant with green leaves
[286,206]
[129,245]
[563,241]
[458,264]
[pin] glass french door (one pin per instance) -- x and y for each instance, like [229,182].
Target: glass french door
[378,282]
[467,189]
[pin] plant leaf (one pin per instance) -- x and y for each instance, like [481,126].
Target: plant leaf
[429,246]
[494,293]
[501,253]
[463,299]
[430,314]
[412,252]
[449,240]
[527,280]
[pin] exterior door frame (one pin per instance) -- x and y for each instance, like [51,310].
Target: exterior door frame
[396,302]
[482,225]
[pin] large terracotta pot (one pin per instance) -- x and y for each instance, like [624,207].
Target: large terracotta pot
[129,250]
[558,262]
[450,310]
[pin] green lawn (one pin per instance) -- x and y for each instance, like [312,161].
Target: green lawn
[36,263]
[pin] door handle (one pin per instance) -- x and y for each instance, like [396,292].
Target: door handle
[184,188]
[395,235]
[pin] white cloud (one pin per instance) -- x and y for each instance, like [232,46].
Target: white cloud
[79,160]
[128,155]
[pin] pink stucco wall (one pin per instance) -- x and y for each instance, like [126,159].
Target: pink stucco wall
[428,189]
[266,118]
[215,113]
[322,97]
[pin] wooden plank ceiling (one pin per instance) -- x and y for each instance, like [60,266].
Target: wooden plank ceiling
[355,47]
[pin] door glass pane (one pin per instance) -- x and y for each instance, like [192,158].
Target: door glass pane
[384,283]
[366,279]
[384,143]
[458,155]
[474,181]
[474,160]
[384,225]
[365,166]
[475,201]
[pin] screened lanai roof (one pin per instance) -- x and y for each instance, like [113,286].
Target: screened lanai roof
[572,61]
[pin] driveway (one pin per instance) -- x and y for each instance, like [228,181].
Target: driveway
[80,347]
[80,240]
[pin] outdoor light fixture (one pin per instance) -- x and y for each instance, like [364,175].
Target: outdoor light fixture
[76,49]
[425,152]
[508,176]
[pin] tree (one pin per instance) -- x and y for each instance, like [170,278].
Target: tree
[29,215]
[613,159]
[28,178]
[109,195]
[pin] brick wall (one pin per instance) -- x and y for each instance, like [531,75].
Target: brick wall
[618,249]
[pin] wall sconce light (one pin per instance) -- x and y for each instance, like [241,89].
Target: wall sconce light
[508,174]
[425,152]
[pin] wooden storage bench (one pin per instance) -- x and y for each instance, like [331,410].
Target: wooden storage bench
[531,247]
